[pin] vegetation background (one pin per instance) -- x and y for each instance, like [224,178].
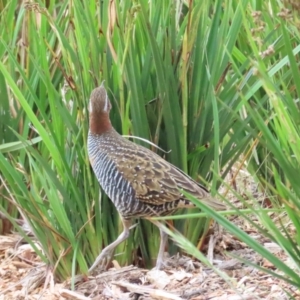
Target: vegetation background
[216,82]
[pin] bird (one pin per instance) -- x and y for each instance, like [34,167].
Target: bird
[139,182]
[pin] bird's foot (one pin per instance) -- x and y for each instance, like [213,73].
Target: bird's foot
[160,264]
[102,260]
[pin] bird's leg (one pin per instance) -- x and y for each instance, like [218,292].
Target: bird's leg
[105,256]
[162,246]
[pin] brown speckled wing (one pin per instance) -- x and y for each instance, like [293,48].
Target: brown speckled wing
[154,180]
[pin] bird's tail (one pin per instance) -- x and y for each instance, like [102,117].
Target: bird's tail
[214,203]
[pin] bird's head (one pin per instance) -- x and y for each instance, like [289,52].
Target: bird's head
[99,108]
[99,101]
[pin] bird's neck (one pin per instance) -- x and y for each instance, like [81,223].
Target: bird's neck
[100,123]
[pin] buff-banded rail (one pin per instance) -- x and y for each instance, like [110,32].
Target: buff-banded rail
[140,183]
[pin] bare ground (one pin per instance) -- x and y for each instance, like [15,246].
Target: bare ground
[24,276]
